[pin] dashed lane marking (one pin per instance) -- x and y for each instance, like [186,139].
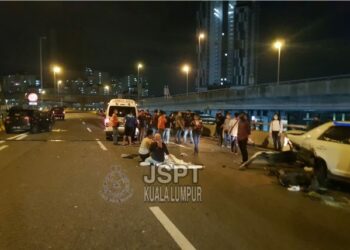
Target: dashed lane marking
[83,123]
[2,142]
[101,145]
[174,232]
[21,137]
[3,147]
[88,129]
[14,137]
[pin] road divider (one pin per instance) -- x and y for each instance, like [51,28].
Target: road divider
[101,145]
[174,232]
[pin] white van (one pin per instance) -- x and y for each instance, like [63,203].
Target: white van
[124,107]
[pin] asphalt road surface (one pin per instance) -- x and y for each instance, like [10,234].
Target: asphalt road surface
[70,189]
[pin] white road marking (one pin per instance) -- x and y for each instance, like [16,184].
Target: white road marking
[56,140]
[3,147]
[88,129]
[83,123]
[14,137]
[21,137]
[2,141]
[175,233]
[101,145]
[180,145]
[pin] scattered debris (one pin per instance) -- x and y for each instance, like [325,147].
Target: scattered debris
[294,188]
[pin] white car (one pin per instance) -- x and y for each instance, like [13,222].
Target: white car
[326,148]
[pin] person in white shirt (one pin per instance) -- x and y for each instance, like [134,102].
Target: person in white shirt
[276,129]
[233,132]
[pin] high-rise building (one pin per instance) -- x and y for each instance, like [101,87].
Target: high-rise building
[227,54]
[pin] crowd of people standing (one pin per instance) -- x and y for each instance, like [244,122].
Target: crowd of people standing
[232,131]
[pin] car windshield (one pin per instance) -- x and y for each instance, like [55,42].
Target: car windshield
[122,111]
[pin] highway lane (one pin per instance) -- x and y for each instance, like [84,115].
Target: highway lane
[53,195]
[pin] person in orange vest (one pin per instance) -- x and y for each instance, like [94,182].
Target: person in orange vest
[114,122]
[161,123]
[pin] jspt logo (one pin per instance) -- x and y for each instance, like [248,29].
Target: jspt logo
[167,176]
[162,185]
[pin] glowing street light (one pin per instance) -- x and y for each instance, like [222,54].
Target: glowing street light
[186,68]
[278,45]
[56,70]
[139,87]
[106,88]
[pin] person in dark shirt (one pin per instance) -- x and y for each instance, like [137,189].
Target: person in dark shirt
[157,150]
[242,135]
[130,126]
[219,120]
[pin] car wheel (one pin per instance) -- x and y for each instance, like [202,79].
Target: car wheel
[321,172]
[34,129]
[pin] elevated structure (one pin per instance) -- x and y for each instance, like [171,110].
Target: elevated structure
[317,94]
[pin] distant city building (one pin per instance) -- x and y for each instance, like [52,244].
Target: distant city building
[96,77]
[19,83]
[226,56]
[128,86]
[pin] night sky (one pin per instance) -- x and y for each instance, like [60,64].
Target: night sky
[113,36]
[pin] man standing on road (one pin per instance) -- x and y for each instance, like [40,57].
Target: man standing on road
[114,122]
[188,129]
[197,126]
[226,130]
[233,132]
[219,120]
[242,135]
[179,126]
[142,125]
[130,126]
[276,130]
[161,123]
[155,121]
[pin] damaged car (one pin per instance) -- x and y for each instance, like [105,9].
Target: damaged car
[326,148]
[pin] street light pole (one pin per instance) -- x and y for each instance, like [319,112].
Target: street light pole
[187,83]
[139,87]
[54,81]
[200,37]
[41,67]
